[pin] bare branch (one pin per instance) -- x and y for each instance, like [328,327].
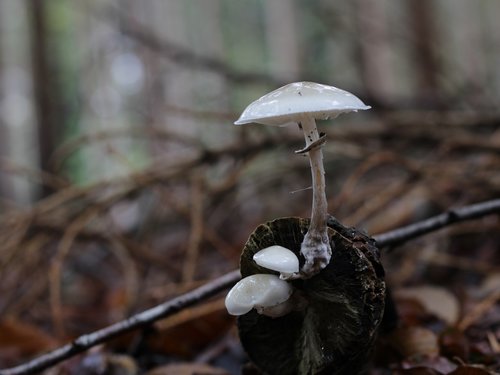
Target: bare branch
[145,318]
[452,216]
[140,320]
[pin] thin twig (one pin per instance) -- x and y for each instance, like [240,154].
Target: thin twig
[479,310]
[145,318]
[142,319]
[452,216]
[64,151]
[43,177]
[56,268]
[196,234]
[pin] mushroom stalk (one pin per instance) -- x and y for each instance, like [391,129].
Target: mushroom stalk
[303,102]
[316,246]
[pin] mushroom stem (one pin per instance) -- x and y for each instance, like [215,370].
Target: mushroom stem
[316,246]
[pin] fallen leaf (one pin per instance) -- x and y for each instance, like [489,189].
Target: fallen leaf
[187,369]
[441,365]
[472,370]
[20,340]
[453,343]
[97,362]
[417,371]
[411,312]
[414,341]
[437,301]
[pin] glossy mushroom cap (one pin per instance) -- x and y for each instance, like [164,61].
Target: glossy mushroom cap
[278,258]
[259,291]
[287,104]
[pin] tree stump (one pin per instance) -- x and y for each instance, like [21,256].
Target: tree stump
[340,309]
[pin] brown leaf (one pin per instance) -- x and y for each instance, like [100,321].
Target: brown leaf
[187,369]
[472,370]
[481,352]
[417,371]
[411,312]
[19,339]
[414,341]
[453,343]
[437,301]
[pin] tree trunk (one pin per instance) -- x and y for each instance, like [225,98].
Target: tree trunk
[424,37]
[45,89]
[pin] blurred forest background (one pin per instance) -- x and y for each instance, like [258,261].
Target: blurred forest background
[124,183]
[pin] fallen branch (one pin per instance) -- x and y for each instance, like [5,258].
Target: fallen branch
[142,319]
[145,318]
[398,236]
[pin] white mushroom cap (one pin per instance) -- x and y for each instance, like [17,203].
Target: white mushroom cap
[287,104]
[259,291]
[278,258]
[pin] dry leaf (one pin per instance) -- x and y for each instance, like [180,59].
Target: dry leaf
[19,339]
[441,365]
[414,341]
[453,344]
[411,312]
[472,370]
[187,369]
[437,301]
[417,371]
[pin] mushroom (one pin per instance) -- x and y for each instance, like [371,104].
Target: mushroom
[278,258]
[303,103]
[259,291]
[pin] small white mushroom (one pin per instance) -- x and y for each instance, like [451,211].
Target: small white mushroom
[258,291]
[278,258]
[303,103]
